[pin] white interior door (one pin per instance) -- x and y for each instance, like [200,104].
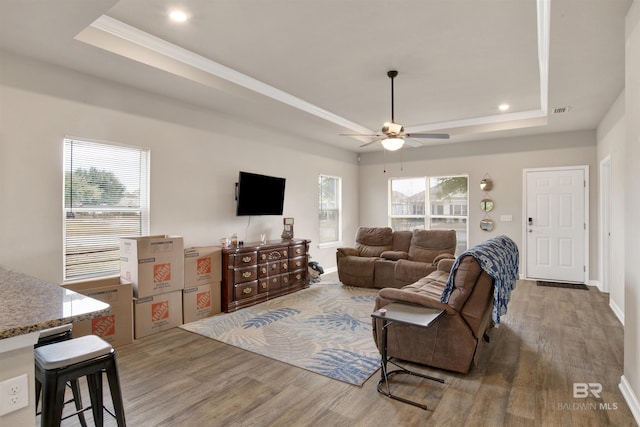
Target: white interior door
[556,224]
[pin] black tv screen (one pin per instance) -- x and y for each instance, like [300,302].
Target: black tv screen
[259,194]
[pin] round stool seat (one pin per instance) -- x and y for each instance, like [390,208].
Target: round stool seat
[65,353]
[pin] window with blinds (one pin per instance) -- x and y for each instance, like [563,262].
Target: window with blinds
[330,191]
[106,197]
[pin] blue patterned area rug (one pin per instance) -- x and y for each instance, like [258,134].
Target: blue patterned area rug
[325,329]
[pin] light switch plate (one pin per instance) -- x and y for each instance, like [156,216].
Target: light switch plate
[506,218]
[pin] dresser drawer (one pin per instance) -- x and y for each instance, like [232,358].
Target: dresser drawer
[263,285]
[244,259]
[297,250]
[245,274]
[263,270]
[275,282]
[297,276]
[297,263]
[246,290]
[285,280]
[272,254]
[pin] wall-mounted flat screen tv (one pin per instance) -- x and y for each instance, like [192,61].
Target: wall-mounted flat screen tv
[259,194]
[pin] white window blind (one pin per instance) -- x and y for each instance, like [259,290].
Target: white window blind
[329,210]
[106,197]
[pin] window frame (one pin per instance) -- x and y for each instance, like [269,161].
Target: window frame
[338,226]
[143,210]
[428,215]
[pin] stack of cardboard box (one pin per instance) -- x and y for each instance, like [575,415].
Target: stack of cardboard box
[155,267]
[117,327]
[161,285]
[202,277]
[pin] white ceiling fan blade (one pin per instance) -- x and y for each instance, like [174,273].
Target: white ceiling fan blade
[428,135]
[412,143]
[377,139]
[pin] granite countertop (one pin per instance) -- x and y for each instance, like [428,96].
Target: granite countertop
[28,304]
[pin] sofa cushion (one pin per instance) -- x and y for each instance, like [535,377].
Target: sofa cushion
[430,286]
[372,241]
[426,245]
[408,272]
[401,241]
[394,255]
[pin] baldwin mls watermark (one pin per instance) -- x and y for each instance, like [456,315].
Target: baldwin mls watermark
[587,391]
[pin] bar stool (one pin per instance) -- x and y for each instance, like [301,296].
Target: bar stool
[64,361]
[50,336]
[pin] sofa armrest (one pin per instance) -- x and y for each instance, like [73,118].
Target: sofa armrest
[445,264]
[399,295]
[347,251]
[441,257]
[394,255]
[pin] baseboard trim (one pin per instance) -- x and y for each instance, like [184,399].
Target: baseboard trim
[630,398]
[616,310]
[330,270]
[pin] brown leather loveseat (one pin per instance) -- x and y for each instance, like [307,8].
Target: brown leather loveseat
[386,258]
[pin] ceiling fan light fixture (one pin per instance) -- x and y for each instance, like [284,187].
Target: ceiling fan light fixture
[392,144]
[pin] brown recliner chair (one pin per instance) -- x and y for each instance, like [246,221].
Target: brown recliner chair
[452,341]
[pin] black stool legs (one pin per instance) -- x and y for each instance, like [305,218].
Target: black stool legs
[95,392]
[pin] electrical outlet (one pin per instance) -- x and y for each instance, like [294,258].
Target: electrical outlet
[14,394]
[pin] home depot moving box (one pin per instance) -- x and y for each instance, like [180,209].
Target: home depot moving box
[157,313]
[154,264]
[200,301]
[117,327]
[202,264]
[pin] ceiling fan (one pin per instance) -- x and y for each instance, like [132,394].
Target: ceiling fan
[393,136]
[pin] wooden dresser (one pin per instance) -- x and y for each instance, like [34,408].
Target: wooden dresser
[257,272]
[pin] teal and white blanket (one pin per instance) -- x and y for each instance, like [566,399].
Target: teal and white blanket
[499,258]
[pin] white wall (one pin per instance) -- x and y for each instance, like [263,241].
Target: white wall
[195,158]
[502,160]
[630,383]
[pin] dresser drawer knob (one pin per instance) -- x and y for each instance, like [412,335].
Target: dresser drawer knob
[246,274]
[246,291]
[246,259]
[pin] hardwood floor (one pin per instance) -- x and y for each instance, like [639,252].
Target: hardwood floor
[550,339]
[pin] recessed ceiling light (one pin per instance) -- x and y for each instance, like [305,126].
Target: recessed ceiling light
[178,16]
[504,107]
